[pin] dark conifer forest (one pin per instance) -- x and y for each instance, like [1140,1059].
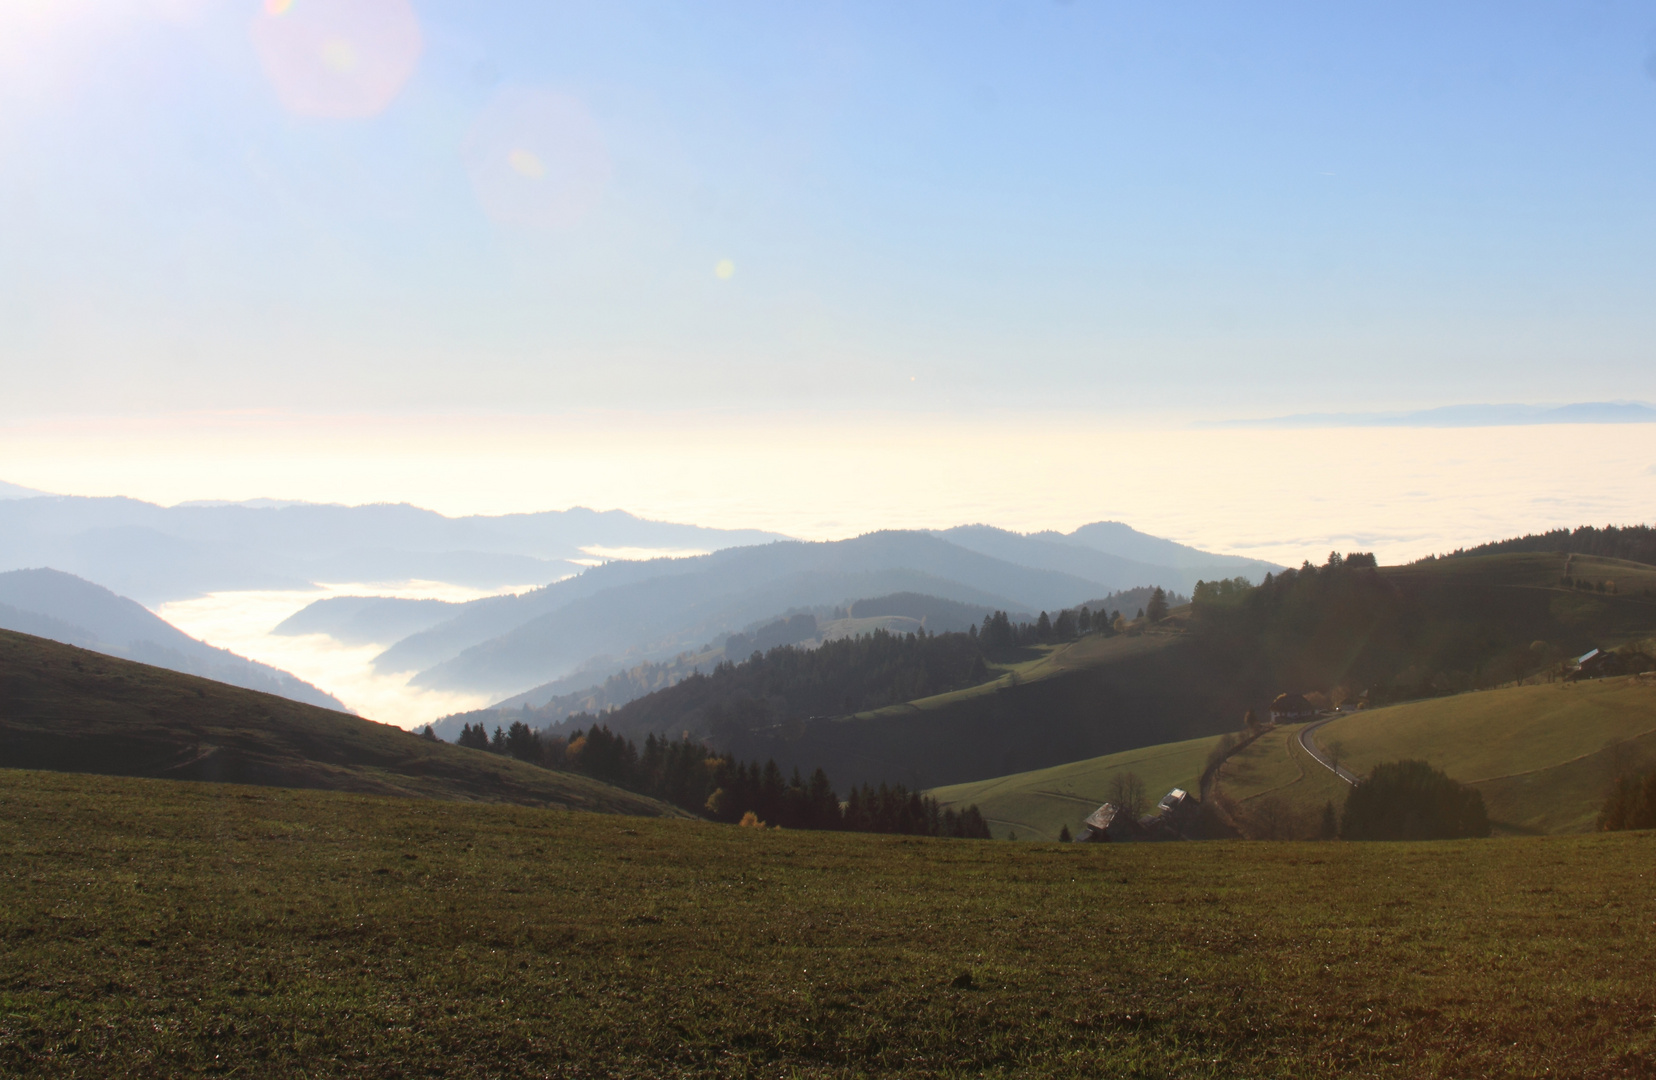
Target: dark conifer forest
[1635,543]
[695,778]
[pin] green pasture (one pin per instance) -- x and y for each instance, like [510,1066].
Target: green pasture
[154,928]
[1275,769]
[1543,755]
[1038,663]
[1037,804]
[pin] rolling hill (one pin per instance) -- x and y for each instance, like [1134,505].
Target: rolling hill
[72,710]
[653,610]
[1096,551]
[1543,756]
[1394,632]
[1037,804]
[52,604]
[661,607]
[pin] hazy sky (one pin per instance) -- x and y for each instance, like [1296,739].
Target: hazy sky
[1191,210]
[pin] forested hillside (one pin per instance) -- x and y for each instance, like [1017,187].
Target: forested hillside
[790,684]
[1430,628]
[1347,627]
[1636,543]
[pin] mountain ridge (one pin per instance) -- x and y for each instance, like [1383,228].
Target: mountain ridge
[65,608]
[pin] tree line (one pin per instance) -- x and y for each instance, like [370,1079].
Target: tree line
[999,634]
[1636,543]
[788,683]
[1346,628]
[693,777]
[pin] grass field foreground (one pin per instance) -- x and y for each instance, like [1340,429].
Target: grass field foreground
[158,928]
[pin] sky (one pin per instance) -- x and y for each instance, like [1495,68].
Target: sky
[287,247]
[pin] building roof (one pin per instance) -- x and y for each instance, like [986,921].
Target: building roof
[1101,818]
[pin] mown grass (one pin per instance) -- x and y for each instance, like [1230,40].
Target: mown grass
[173,929]
[1036,804]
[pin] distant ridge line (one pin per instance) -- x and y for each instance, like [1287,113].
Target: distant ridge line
[1462,416]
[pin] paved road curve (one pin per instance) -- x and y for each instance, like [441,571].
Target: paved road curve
[1309,745]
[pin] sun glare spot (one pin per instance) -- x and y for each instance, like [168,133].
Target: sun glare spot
[525,163]
[724,270]
[338,55]
[345,59]
[570,165]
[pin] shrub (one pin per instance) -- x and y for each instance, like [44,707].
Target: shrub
[1410,800]
[1631,804]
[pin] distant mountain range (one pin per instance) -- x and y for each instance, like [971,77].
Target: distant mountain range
[621,614]
[155,554]
[1456,416]
[13,491]
[64,608]
[585,622]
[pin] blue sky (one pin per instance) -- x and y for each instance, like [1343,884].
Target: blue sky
[1193,210]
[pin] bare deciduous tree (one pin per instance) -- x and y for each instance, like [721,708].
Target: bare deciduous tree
[1127,793]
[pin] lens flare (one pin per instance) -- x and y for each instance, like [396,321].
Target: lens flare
[537,159]
[343,59]
[724,270]
[526,163]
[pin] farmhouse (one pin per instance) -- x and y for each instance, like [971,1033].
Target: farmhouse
[1595,664]
[1291,709]
[1108,824]
[1173,819]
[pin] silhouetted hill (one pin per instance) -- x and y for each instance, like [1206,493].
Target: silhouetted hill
[936,614]
[52,604]
[664,606]
[72,710]
[1098,552]
[366,620]
[1635,543]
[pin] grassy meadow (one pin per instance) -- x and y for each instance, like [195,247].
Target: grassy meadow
[1275,788]
[1037,663]
[67,708]
[1544,756]
[1036,804]
[173,929]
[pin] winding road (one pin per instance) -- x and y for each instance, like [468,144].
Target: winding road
[1309,745]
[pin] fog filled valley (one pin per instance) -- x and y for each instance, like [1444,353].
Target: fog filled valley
[823,541]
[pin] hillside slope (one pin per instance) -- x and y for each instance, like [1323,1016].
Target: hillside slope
[1543,756]
[51,604]
[71,710]
[1399,632]
[1037,804]
[509,644]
